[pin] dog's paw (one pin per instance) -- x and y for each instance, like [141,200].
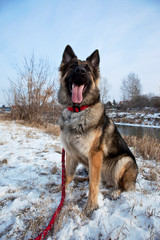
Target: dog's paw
[115,194]
[89,209]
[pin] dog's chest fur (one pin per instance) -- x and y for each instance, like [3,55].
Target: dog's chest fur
[78,131]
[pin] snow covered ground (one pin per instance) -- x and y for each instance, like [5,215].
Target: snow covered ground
[30,166]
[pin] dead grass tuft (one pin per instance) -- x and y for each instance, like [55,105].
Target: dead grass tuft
[4,161]
[69,211]
[125,120]
[148,147]
[52,129]
[54,170]
[5,116]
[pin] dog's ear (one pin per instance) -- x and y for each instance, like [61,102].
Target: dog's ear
[68,54]
[94,58]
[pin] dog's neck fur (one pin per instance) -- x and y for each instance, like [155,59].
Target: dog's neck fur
[74,121]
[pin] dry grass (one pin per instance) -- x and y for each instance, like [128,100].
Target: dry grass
[5,116]
[69,211]
[52,129]
[4,161]
[124,120]
[48,128]
[148,147]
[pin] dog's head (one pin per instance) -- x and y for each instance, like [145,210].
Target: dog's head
[79,79]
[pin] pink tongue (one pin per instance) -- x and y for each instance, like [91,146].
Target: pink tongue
[77,93]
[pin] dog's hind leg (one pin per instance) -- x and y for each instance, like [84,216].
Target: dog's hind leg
[126,179]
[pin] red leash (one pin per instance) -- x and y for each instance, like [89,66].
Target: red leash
[43,234]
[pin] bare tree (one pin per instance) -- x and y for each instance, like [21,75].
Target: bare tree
[32,91]
[104,90]
[131,87]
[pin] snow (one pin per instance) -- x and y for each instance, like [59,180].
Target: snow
[30,166]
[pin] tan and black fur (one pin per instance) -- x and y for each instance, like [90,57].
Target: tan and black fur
[90,136]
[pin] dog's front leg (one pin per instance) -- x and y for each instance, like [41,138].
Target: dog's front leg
[71,165]
[95,164]
[70,168]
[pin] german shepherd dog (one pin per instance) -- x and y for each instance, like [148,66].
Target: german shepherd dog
[88,135]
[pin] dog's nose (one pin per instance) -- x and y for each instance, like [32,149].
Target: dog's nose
[80,70]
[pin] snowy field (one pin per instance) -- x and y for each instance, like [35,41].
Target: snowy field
[30,167]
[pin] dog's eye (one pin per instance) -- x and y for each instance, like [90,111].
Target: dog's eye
[87,68]
[75,64]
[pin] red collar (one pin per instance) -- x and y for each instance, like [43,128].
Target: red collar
[77,108]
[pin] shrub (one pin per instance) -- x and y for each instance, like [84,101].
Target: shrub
[32,91]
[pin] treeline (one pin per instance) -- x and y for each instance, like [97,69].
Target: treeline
[132,97]
[131,89]
[142,102]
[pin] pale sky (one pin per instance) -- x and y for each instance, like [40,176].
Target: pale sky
[126,32]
